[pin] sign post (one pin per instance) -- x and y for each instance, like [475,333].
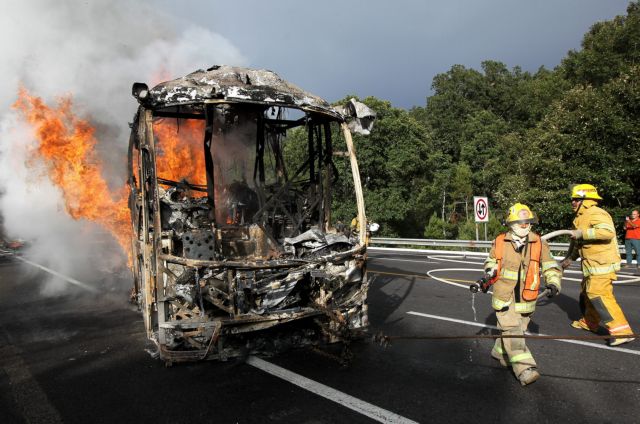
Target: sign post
[481,213]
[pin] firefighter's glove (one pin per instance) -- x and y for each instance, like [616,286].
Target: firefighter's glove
[490,272]
[552,290]
[576,234]
[565,263]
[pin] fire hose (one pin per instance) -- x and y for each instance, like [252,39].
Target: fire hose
[483,285]
[555,234]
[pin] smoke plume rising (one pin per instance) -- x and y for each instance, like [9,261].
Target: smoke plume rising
[90,52]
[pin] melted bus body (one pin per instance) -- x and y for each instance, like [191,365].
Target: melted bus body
[234,248]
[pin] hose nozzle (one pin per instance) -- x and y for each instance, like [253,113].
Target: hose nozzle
[482,284]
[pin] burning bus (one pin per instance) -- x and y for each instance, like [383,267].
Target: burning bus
[234,247]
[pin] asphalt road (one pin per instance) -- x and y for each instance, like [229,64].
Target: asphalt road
[79,358]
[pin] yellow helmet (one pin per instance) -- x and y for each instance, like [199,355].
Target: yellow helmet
[521,214]
[585,191]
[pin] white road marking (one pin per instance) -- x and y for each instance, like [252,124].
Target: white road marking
[355,404]
[448,259]
[57,274]
[578,342]
[626,280]
[426,251]
[572,279]
[403,260]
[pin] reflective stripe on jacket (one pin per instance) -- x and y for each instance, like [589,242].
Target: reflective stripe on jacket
[532,277]
[518,276]
[598,247]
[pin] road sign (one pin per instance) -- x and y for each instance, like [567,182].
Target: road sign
[481,208]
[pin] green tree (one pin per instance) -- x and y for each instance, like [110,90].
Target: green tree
[461,189]
[608,50]
[437,228]
[396,169]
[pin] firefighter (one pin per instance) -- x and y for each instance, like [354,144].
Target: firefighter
[594,240]
[372,227]
[516,260]
[355,225]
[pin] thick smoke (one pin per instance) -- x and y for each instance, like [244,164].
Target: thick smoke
[92,51]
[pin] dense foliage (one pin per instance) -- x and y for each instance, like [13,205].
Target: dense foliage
[508,134]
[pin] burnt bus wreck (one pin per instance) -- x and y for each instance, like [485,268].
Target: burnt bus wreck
[235,252]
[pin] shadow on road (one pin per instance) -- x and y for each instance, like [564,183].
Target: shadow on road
[387,304]
[568,304]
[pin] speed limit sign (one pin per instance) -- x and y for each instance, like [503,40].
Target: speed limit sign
[481,208]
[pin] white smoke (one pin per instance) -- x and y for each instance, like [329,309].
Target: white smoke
[93,51]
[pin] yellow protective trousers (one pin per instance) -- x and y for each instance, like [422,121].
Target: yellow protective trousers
[513,350]
[598,304]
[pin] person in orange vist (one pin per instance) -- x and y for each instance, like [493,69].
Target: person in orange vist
[516,260]
[632,238]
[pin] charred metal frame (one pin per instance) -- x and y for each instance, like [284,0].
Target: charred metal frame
[281,275]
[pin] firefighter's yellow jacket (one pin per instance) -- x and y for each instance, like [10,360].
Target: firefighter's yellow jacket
[513,270]
[598,246]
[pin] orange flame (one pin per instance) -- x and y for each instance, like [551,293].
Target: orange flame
[66,144]
[180,151]
[160,75]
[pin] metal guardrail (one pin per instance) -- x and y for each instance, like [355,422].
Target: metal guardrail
[429,242]
[467,244]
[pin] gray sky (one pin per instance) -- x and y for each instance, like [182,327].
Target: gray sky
[392,50]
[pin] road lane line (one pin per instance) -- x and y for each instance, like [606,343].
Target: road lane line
[402,260]
[57,274]
[459,321]
[477,324]
[374,412]
[447,259]
[32,401]
[427,251]
[423,276]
